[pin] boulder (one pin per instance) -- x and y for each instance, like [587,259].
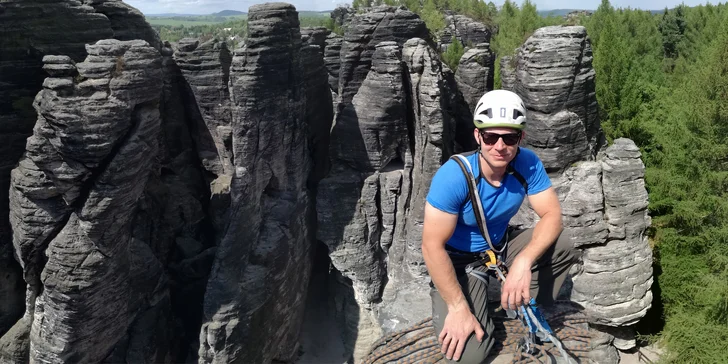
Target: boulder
[555,78]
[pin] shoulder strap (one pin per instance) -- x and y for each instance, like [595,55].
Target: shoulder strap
[512,171]
[475,198]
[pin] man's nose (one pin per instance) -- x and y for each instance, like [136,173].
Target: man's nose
[500,144]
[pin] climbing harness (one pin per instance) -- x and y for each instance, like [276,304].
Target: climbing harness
[530,315]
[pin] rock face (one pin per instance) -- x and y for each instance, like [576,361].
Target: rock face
[342,15]
[365,31]
[508,73]
[616,277]
[254,300]
[206,70]
[332,61]
[371,152]
[127,23]
[182,214]
[21,78]
[30,30]
[319,110]
[559,94]
[386,146]
[370,134]
[475,72]
[73,200]
[464,29]
[315,36]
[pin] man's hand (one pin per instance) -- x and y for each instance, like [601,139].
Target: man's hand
[459,325]
[517,288]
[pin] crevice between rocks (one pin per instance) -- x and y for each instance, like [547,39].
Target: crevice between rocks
[321,338]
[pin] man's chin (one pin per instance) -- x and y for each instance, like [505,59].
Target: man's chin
[498,163]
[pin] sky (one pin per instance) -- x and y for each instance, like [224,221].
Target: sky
[212,6]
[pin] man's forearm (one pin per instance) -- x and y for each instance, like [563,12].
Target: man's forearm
[545,233]
[443,276]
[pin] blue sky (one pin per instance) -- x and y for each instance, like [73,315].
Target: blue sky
[211,6]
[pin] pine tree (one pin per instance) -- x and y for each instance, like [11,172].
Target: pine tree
[453,54]
[611,64]
[432,16]
[598,21]
[672,28]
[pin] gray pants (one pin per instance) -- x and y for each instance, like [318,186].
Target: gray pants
[548,274]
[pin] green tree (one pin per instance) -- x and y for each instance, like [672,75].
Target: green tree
[598,21]
[453,53]
[528,19]
[432,16]
[361,4]
[672,28]
[611,64]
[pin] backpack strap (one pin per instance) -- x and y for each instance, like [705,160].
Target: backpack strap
[512,171]
[475,198]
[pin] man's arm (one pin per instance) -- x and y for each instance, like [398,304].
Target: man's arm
[460,321]
[516,289]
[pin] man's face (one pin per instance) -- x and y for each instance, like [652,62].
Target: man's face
[499,145]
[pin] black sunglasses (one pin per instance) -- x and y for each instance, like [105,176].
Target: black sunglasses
[492,138]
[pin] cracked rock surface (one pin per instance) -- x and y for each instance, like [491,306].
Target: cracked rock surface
[253,306]
[555,78]
[73,200]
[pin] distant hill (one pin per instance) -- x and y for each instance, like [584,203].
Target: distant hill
[166,15]
[556,12]
[229,13]
[313,13]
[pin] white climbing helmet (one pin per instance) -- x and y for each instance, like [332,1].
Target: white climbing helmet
[500,108]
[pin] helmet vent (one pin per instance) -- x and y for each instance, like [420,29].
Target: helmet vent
[488,112]
[517,114]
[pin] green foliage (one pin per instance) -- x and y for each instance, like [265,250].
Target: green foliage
[662,80]
[361,4]
[233,31]
[431,11]
[333,27]
[672,28]
[452,55]
[432,16]
[193,20]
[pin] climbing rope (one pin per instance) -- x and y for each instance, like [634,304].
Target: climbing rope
[418,343]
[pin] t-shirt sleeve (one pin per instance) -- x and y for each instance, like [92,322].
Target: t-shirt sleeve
[448,189]
[535,173]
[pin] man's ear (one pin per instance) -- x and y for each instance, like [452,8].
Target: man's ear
[476,135]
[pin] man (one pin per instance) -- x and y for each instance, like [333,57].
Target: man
[538,259]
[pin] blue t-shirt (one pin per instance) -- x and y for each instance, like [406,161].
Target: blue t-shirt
[449,193]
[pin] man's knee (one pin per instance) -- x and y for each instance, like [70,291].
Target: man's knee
[475,352]
[564,249]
